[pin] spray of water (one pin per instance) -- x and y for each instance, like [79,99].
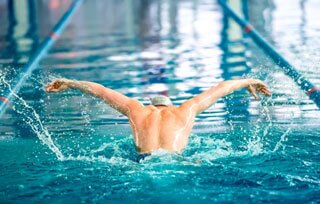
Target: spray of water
[34,121]
[219,148]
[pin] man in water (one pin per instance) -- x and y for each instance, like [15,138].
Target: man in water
[160,125]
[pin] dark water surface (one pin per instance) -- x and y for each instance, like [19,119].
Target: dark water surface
[69,147]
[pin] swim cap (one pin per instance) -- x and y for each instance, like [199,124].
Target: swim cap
[161,100]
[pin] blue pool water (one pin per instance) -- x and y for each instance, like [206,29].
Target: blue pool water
[69,147]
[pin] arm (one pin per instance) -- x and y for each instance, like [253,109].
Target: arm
[204,100]
[116,100]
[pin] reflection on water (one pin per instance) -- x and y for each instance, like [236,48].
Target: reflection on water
[22,30]
[240,148]
[234,61]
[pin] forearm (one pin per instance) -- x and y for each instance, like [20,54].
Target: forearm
[207,98]
[115,99]
[227,87]
[111,97]
[222,89]
[91,88]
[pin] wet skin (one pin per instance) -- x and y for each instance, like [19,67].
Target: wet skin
[160,127]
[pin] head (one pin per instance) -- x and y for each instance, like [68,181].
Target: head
[161,100]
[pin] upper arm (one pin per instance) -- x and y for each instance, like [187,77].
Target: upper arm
[120,102]
[116,100]
[205,99]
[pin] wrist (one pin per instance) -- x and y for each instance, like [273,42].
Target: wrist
[67,82]
[251,81]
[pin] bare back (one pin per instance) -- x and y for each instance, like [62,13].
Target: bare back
[161,127]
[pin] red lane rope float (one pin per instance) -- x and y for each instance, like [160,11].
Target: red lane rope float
[312,90]
[53,35]
[247,28]
[4,100]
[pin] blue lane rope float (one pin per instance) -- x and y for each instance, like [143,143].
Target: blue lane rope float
[311,90]
[40,53]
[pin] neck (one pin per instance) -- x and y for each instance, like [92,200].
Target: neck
[161,106]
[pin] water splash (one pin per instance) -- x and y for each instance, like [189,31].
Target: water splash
[34,121]
[218,148]
[282,139]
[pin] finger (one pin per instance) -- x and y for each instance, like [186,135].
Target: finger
[263,90]
[54,90]
[266,92]
[55,84]
[255,95]
[253,92]
[48,88]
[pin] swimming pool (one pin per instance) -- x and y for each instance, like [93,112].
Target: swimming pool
[240,149]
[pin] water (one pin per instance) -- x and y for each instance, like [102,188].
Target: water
[70,147]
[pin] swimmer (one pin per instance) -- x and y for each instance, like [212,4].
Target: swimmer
[160,125]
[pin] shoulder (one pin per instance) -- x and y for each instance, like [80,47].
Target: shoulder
[134,104]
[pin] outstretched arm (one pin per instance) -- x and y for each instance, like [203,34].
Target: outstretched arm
[204,100]
[115,99]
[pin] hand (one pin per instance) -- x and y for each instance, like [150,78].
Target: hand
[57,85]
[255,86]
